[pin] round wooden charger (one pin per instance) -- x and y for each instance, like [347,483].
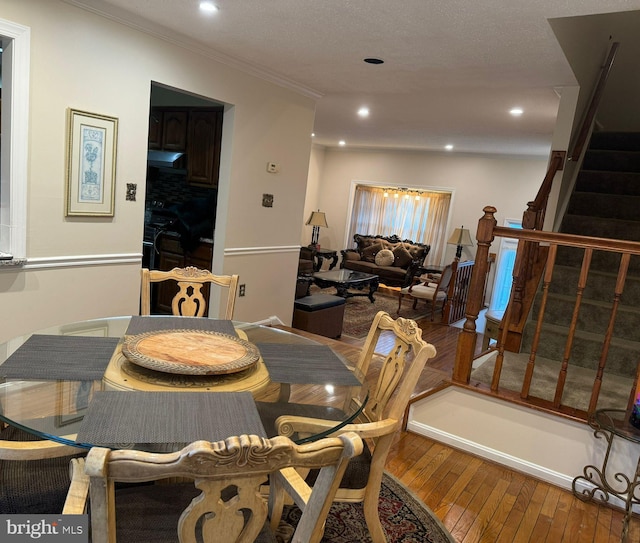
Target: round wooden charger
[190,352]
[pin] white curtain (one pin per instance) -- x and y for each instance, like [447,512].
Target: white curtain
[410,214]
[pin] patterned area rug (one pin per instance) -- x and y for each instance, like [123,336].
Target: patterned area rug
[405,519]
[359,311]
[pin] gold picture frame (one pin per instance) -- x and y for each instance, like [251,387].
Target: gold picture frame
[91,164]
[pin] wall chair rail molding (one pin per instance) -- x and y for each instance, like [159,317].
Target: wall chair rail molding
[81,260]
[242,251]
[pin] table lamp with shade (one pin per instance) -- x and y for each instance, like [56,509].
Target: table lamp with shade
[317,220]
[461,238]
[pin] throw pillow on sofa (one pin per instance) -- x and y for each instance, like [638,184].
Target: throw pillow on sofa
[401,257]
[384,258]
[369,254]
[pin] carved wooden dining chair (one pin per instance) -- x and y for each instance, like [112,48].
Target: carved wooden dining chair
[392,379]
[189,300]
[221,503]
[34,473]
[433,292]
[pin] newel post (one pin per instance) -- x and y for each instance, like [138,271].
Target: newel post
[468,335]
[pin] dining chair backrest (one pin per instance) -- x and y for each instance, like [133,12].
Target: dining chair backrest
[400,368]
[228,475]
[392,377]
[189,300]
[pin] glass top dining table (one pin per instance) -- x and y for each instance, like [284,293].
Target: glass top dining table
[73,384]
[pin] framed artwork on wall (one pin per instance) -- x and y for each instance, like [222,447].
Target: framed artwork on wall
[91,164]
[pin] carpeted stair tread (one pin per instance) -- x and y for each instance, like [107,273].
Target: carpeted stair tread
[602,261]
[622,358]
[612,160]
[593,316]
[608,182]
[615,206]
[618,141]
[600,284]
[599,227]
[577,390]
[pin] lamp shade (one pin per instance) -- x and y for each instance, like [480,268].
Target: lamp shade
[317,218]
[461,237]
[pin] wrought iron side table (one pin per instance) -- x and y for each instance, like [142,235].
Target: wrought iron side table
[609,423]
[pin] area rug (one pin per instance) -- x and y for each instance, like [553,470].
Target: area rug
[404,518]
[359,311]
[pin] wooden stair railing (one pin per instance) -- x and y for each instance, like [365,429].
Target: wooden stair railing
[527,275]
[594,104]
[458,293]
[487,231]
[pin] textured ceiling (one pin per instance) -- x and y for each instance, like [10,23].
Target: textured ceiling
[452,69]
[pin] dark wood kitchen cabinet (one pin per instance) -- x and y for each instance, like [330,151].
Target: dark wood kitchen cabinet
[172,255]
[155,128]
[174,129]
[168,128]
[197,132]
[203,147]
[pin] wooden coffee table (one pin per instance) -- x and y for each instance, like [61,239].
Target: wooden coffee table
[343,280]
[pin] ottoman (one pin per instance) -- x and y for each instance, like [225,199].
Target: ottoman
[320,314]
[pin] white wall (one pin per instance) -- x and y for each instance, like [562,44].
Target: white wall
[314,189]
[476,181]
[83,61]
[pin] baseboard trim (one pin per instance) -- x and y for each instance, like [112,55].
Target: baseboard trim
[494,455]
[534,470]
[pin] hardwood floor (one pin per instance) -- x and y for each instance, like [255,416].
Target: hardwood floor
[480,501]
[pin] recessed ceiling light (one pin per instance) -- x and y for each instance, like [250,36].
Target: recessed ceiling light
[449,147]
[208,7]
[342,143]
[363,112]
[313,134]
[373,60]
[516,111]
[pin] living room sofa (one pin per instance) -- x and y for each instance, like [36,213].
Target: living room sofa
[394,260]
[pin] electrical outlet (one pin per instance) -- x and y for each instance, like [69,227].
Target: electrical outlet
[272,167]
[241,290]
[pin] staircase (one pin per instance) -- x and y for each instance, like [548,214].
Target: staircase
[605,203]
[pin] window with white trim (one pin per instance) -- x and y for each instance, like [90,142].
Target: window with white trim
[420,215]
[14,122]
[504,269]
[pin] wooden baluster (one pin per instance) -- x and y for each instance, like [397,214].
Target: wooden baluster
[548,274]
[464,282]
[622,276]
[582,281]
[448,309]
[468,335]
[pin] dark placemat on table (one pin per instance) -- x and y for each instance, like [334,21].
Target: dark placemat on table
[305,364]
[148,323]
[76,358]
[168,417]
